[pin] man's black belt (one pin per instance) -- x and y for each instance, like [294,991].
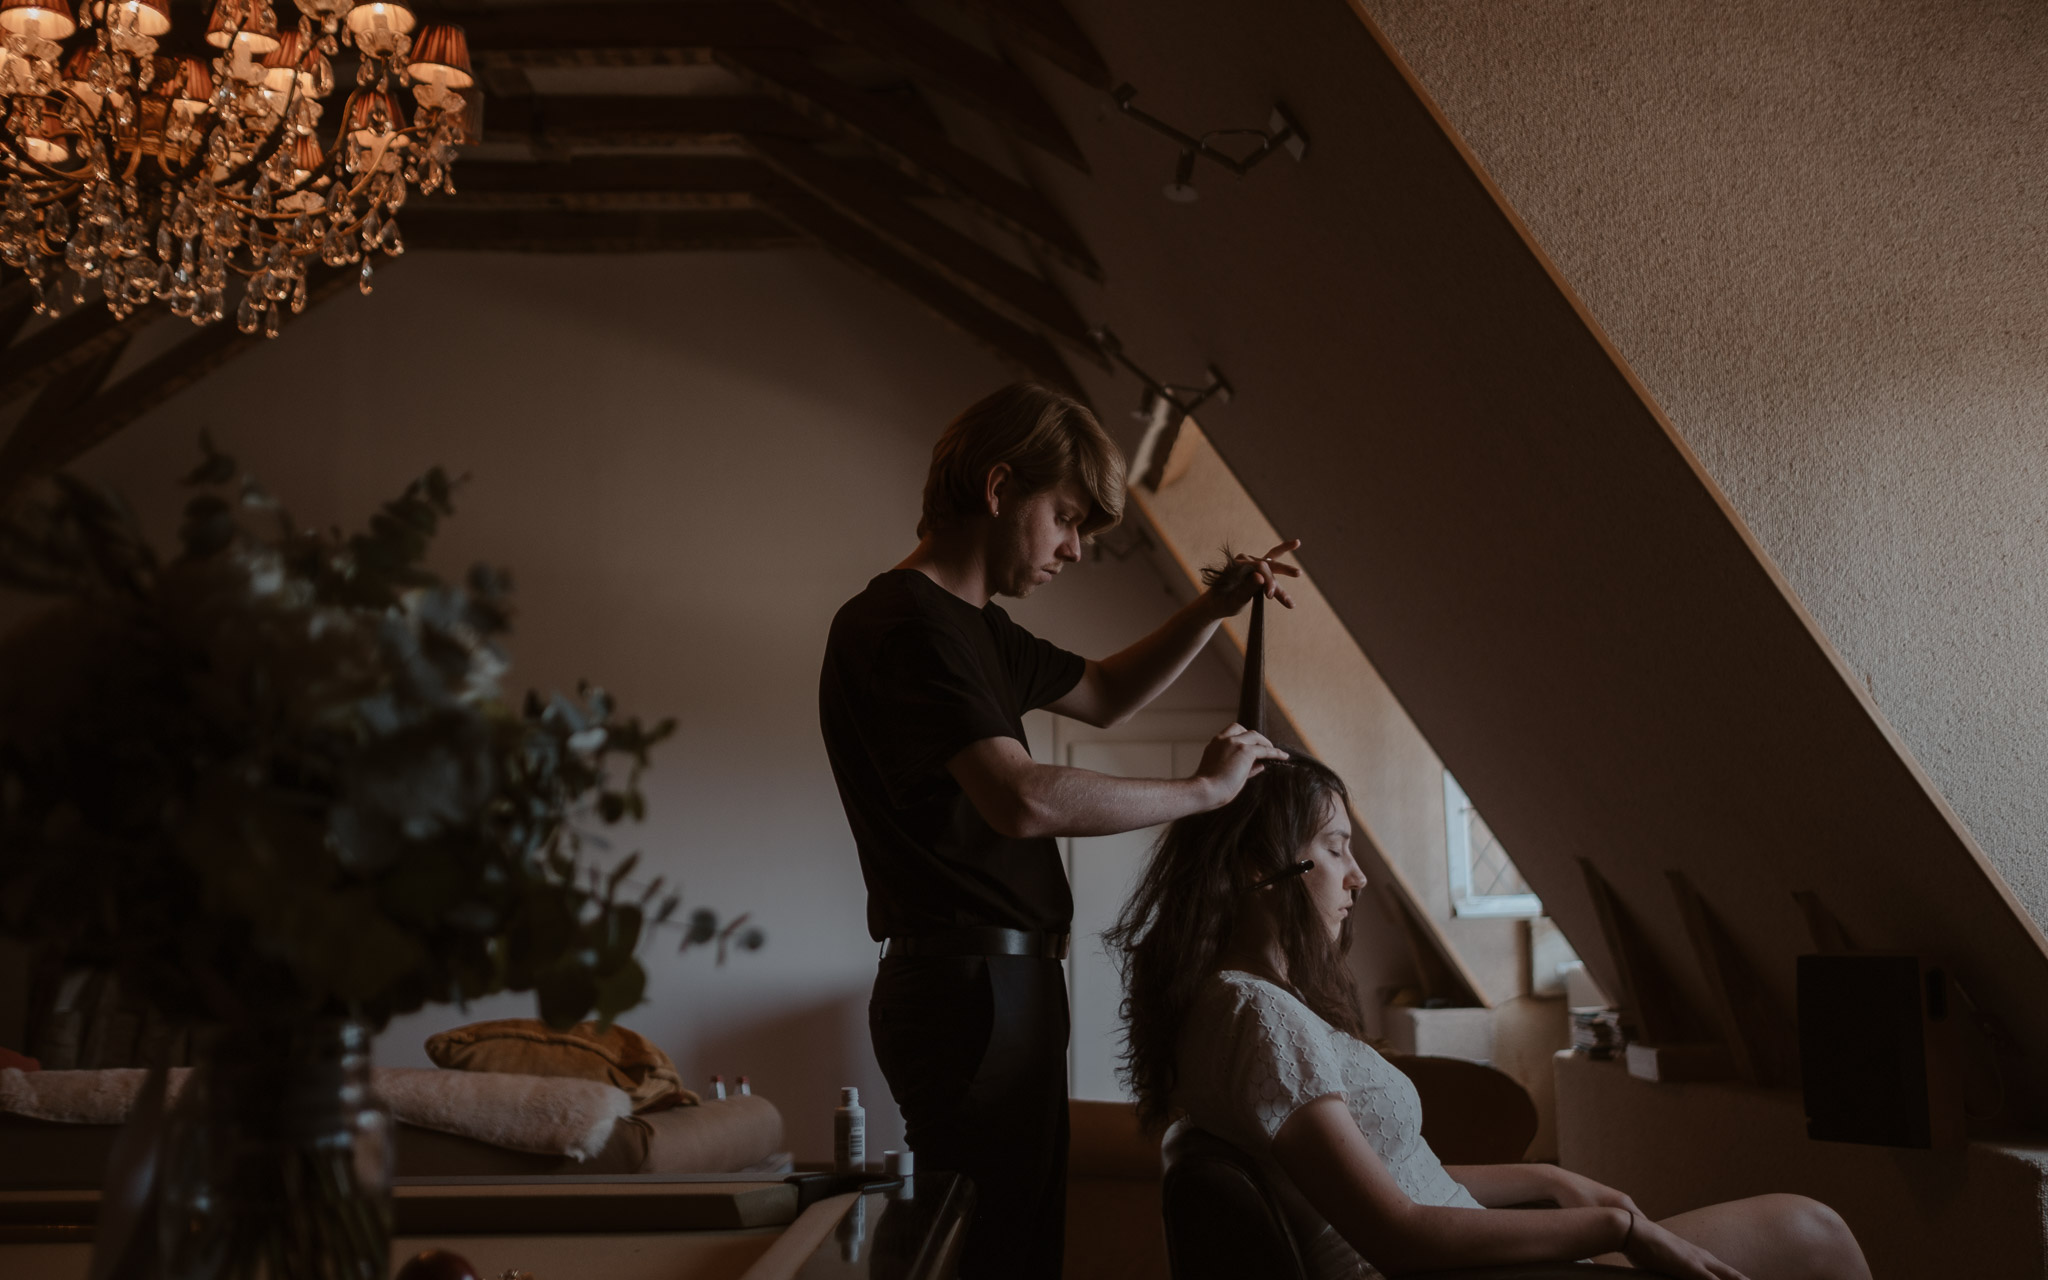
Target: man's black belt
[980,941]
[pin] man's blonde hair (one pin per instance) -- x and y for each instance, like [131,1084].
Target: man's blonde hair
[1044,436]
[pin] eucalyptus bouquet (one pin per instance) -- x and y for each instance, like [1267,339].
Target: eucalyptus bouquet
[274,776]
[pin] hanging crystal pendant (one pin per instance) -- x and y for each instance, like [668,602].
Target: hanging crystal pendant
[204,183]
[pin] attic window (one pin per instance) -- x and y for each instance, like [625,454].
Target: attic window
[1484,880]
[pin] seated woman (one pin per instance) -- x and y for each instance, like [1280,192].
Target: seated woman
[1242,1017]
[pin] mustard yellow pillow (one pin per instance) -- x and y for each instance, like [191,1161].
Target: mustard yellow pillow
[527,1047]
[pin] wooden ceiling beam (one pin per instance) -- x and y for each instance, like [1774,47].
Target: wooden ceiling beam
[1048,30]
[846,239]
[963,261]
[71,433]
[636,120]
[613,35]
[920,152]
[620,231]
[47,415]
[76,338]
[944,62]
[612,183]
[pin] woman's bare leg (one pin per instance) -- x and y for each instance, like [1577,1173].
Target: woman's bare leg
[1778,1237]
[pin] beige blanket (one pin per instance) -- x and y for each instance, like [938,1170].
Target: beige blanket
[542,1114]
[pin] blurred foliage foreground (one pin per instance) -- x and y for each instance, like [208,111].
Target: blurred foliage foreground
[274,775]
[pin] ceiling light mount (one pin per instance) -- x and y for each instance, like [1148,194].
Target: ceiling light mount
[1165,407]
[1282,133]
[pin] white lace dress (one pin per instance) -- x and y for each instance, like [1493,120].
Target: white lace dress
[1252,1055]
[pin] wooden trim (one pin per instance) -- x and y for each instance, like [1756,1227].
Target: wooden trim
[965,262]
[855,244]
[948,64]
[918,151]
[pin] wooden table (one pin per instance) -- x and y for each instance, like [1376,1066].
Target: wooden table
[648,1227]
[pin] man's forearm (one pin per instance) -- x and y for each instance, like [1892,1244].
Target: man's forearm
[1058,801]
[1136,675]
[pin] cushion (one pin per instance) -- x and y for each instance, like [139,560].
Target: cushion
[524,1046]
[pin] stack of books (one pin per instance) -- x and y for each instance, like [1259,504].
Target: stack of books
[1597,1032]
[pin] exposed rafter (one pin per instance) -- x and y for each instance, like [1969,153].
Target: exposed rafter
[39,447]
[855,244]
[76,338]
[627,35]
[1049,31]
[640,121]
[559,231]
[920,152]
[965,262]
[946,63]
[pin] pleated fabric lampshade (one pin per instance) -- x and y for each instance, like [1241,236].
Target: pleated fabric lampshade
[440,56]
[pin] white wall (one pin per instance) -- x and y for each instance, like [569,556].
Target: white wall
[688,462]
[1815,231]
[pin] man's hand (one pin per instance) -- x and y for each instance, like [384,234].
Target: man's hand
[1231,758]
[1229,597]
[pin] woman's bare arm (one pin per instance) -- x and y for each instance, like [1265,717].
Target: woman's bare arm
[1322,1152]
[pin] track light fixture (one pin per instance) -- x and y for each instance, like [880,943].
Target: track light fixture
[1280,134]
[1166,405]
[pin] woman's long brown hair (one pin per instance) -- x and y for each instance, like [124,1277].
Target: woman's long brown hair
[1178,920]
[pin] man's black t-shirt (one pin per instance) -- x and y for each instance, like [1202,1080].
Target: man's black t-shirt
[913,674]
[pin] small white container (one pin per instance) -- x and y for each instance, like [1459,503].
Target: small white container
[849,1133]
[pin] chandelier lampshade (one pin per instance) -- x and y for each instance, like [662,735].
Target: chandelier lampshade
[382,27]
[46,141]
[440,56]
[247,27]
[145,174]
[141,17]
[44,19]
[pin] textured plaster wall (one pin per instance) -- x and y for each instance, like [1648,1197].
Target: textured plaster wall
[1818,232]
[688,462]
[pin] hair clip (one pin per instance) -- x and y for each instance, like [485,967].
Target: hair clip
[1288,873]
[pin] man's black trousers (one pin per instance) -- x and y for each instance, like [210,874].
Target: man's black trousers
[975,1050]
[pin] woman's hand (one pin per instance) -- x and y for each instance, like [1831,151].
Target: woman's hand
[1652,1248]
[1575,1191]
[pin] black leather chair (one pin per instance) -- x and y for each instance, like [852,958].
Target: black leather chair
[1223,1224]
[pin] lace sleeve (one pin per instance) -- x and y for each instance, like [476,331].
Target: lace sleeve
[1281,1059]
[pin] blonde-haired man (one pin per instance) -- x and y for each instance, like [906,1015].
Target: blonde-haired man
[922,698]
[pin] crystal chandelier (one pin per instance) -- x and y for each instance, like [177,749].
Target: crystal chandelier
[161,174]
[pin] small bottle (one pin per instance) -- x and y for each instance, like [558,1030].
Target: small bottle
[849,1133]
[718,1088]
[746,1090]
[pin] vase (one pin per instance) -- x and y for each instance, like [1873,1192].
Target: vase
[277,1159]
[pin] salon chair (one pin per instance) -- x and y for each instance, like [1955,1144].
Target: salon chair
[1223,1224]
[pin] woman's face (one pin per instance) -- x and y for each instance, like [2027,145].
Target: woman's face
[1335,879]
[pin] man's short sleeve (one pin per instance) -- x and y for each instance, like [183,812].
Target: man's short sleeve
[930,698]
[1040,671]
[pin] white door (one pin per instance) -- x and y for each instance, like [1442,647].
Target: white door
[1104,870]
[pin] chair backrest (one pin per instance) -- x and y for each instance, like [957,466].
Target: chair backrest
[1471,1113]
[1222,1222]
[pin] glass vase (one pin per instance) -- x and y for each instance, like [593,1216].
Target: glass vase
[277,1159]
